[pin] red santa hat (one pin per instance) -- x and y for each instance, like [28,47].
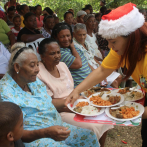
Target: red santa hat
[121,21]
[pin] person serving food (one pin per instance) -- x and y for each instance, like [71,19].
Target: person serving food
[126,32]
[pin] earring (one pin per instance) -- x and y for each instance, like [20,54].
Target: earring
[17,72]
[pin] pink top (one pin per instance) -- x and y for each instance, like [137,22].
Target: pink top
[40,23]
[57,87]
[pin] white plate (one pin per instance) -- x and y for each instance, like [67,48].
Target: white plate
[104,96]
[94,93]
[85,100]
[116,90]
[140,108]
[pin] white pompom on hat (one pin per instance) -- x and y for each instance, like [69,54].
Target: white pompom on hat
[121,21]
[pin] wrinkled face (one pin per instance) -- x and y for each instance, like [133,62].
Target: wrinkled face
[50,23]
[52,55]
[17,22]
[11,14]
[29,69]
[64,38]
[38,10]
[31,22]
[80,36]
[25,10]
[118,44]
[91,22]
[80,19]
[69,18]
[18,130]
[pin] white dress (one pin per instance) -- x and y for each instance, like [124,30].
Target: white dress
[92,42]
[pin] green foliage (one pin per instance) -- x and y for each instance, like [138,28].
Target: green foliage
[61,6]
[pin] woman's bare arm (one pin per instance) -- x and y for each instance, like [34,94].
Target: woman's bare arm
[94,78]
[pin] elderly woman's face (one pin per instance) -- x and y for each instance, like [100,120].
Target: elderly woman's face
[80,36]
[31,22]
[29,69]
[91,22]
[64,38]
[52,55]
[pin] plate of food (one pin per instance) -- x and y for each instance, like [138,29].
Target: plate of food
[129,94]
[129,111]
[102,99]
[82,107]
[94,90]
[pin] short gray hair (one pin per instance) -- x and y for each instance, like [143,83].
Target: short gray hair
[22,57]
[79,26]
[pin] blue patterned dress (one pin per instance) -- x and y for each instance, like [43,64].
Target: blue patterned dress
[39,112]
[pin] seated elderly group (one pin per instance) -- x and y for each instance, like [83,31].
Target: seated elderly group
[40,88]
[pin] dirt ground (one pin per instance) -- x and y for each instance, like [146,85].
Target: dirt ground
[131,135]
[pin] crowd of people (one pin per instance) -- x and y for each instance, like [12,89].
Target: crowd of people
[70,51]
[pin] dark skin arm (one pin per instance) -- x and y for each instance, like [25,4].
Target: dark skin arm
[29,38]
[58,133]
[5,6]
[11,37]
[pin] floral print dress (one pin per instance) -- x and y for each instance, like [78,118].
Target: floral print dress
[39,112]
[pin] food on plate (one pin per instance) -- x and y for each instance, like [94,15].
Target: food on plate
[124,90]
[130,95]
[124,112]
[83,108]
[94,90]
[97,100]
[81,104]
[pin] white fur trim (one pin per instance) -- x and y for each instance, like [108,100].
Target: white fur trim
[122,26]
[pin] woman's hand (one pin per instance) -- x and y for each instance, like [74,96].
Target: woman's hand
[72,98]
[72,45]
[58,133]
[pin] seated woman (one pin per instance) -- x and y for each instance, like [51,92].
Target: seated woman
[49,23]
[4,60]
[6,35]
[43,125]
[80,42]
[39,17]
[90,23]
[59,82]
[29,32]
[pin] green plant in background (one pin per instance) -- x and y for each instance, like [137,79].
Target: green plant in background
[61,6]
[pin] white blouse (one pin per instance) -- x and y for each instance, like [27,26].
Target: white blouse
[4,59]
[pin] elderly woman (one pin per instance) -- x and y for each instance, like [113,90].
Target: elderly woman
[29,32]
[42,123]
[6,35]
[80,33]
[49,23]
[58,80]
[90,23]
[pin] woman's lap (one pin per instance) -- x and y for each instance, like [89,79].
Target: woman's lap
[98,129]
[78,138]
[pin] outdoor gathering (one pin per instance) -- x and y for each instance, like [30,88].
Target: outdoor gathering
[73,73]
